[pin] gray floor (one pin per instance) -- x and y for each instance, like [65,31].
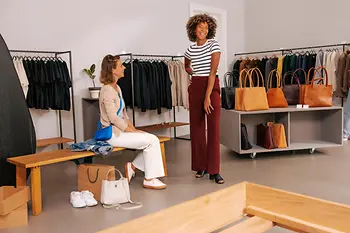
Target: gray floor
[323,174]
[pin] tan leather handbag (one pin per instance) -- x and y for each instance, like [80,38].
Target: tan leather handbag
[240,89]
[255,98]
[275,96]
[279,135]
[319,95]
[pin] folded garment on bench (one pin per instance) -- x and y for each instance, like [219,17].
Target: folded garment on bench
[98,147]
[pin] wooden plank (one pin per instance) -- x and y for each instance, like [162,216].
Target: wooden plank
[204,214]
[52,141]
[289,222]
[155,127]
[162,148]
[21,176]
[36,191]
[251,225]
[303,208]
[57,156]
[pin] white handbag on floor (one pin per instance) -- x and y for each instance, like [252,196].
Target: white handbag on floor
[116,192]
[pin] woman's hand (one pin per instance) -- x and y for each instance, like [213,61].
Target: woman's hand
[207,105]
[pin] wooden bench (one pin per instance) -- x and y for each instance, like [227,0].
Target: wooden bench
[35,161]
[244,208]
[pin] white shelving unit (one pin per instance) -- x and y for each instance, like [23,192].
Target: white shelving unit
[309,128]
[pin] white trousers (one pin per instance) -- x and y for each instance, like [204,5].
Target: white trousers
[149,160]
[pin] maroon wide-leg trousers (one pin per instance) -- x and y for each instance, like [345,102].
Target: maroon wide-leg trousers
[205,153]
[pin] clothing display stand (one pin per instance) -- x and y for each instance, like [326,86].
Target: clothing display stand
[305,128]
[284,50]
[57,140]
[173,124]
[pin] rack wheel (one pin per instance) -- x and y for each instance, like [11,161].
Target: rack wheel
[311,151]
[253,155]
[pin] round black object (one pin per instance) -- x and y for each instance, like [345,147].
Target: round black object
[17,133]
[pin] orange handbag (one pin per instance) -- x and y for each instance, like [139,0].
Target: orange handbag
[279,135]
[307,82]
[275,96]
[240,89]
[319,95]
[255,98]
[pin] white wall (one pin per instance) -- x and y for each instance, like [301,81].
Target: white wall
[271,24]
[92,29]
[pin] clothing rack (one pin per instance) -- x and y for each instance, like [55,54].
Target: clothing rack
[61,139]
[283,52]
[174,124]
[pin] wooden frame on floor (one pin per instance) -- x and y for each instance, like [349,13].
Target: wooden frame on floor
[245,207]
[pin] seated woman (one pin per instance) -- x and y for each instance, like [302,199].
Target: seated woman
[113,112]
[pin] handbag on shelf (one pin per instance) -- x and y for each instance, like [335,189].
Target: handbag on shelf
[116,192]
[228,91]
[291,91]
[254,98]
[279,135]
[245,144]
[319,95]
[239,90]
[265,136]
[275,96]
[302,86]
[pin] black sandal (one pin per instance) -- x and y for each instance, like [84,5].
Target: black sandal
[218,179]
[200,174]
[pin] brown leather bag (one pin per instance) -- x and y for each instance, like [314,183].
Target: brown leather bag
[319,95]
[291,91]
[255,98]
[275,96]
[265,136]
[279,135]
[240,89]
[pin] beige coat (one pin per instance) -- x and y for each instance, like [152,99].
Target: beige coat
[109,105]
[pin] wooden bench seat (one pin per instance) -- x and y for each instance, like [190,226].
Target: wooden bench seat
[35,161]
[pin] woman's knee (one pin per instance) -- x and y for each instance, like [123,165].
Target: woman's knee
[152,138]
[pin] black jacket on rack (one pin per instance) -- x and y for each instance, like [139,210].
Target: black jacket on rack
[152,85]
[49,84]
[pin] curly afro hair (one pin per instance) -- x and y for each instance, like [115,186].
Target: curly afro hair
[197,19]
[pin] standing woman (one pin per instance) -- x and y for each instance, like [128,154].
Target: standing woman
[204,95]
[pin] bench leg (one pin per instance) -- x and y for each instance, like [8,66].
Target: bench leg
[36,191]
[162,148]
[21,176]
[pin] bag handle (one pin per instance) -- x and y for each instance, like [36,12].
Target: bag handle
[230,81]
[120,174]
[245,70]
[325,71]
[269,80]
[305,76]
[293,76]
[88,175]
[309,74]
[259,74]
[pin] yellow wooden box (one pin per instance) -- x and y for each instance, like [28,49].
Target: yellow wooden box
[247,208]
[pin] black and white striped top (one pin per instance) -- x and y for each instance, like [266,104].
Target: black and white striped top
[200,57]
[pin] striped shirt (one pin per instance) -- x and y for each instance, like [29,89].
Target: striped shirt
[200,57]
